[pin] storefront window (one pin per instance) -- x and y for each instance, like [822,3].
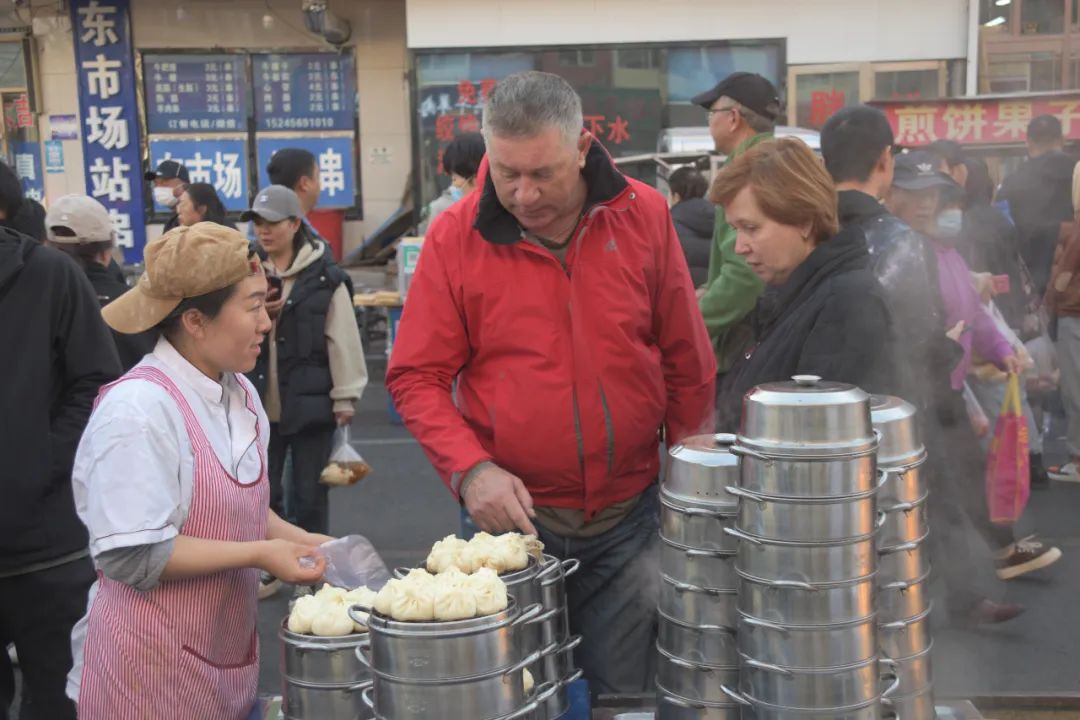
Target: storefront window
[12,65]
[1042,17]
[906,85]
[629,93]
[992,14]
[819,95]
[1028,72]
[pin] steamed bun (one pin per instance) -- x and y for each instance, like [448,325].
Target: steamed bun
[303,612]
[453,601]
[384,600]
[332,621]
[489,591]
[416,601]
[445,554]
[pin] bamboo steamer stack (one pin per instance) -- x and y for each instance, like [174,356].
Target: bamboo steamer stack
[807,559]
[696,648]
[904,569]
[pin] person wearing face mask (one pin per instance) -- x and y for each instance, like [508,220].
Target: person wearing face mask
[170,479]
[930,201]
[461,161]
[168,182]
[311,371]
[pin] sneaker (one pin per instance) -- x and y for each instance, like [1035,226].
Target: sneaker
[1024,556]
[1069,472]
[12,655]
[988,612]
[268,585]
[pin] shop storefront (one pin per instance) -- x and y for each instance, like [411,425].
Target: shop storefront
[630,93]
[219,87]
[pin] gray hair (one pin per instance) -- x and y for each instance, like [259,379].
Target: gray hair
[758,123]
[525,104]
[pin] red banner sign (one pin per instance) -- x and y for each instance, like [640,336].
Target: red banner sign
[979,121]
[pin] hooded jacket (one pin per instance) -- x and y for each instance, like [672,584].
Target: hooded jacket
[312,362]
[565,374]
[695,220]
[830,319]
[57,353]
[1039,195]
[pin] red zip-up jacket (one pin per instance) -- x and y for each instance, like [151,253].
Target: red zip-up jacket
[565,376]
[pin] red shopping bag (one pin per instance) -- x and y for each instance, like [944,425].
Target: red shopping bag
[1008,476]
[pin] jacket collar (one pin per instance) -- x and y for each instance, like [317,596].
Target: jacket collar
[846,251]
[749,143]
[856,207]
[495,223]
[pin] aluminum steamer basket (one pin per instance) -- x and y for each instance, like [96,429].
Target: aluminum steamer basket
[701,467]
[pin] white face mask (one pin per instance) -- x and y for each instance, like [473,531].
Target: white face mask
[164,196]
[950,223]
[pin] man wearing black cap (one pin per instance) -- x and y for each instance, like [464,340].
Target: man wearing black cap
[743,109]
[1039,195]
[168,180]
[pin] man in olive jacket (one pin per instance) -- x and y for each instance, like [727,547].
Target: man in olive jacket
[743,109]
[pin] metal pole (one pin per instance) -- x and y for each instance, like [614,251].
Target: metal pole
[972,84]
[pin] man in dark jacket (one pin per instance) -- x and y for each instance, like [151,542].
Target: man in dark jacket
[1039,195]
[56,354]
[168,181]
[694,218]
[857,145]
[80,226]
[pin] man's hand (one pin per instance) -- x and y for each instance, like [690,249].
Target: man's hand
[343,417]
[700,293]
[498,502]
[1013,364]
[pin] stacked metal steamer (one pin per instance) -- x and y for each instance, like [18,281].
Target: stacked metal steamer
[696,650]
[473,669]
[807,556]
[903,604]
[322,677]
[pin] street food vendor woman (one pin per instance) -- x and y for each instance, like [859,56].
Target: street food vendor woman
[170,479]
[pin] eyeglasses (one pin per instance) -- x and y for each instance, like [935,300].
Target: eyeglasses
[724,109]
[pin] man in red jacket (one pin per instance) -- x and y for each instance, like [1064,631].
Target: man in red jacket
[559,299]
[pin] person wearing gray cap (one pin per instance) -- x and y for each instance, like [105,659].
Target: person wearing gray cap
[311,371]
[80,226]
[743,109]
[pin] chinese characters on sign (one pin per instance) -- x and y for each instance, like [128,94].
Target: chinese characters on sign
[221,163]
[974,122]
[28,169]
[103,57]
[195,93]
[334,155]
[304,91]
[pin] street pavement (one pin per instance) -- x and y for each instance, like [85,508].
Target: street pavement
[402,507]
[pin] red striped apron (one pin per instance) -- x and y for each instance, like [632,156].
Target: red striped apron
[188,648]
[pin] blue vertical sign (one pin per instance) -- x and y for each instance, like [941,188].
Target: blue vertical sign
[110,137]
[28,169]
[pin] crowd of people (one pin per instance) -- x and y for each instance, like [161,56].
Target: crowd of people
[164,442]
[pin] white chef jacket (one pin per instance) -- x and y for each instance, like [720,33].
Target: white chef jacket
[134,471]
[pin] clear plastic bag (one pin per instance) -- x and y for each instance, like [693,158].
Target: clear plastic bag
[352,561]
[346,466]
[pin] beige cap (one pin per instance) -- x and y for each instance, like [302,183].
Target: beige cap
[185,262]
[81,214]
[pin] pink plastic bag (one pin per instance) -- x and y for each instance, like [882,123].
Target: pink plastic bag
[1008,472]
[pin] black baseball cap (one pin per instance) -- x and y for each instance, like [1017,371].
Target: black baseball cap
[918,171]
[748,89]
[167,170]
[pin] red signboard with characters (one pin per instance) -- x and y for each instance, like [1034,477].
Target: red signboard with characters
[979,121]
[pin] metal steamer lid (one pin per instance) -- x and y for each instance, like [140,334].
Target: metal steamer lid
[895,419]
[807,417]
[712,451]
